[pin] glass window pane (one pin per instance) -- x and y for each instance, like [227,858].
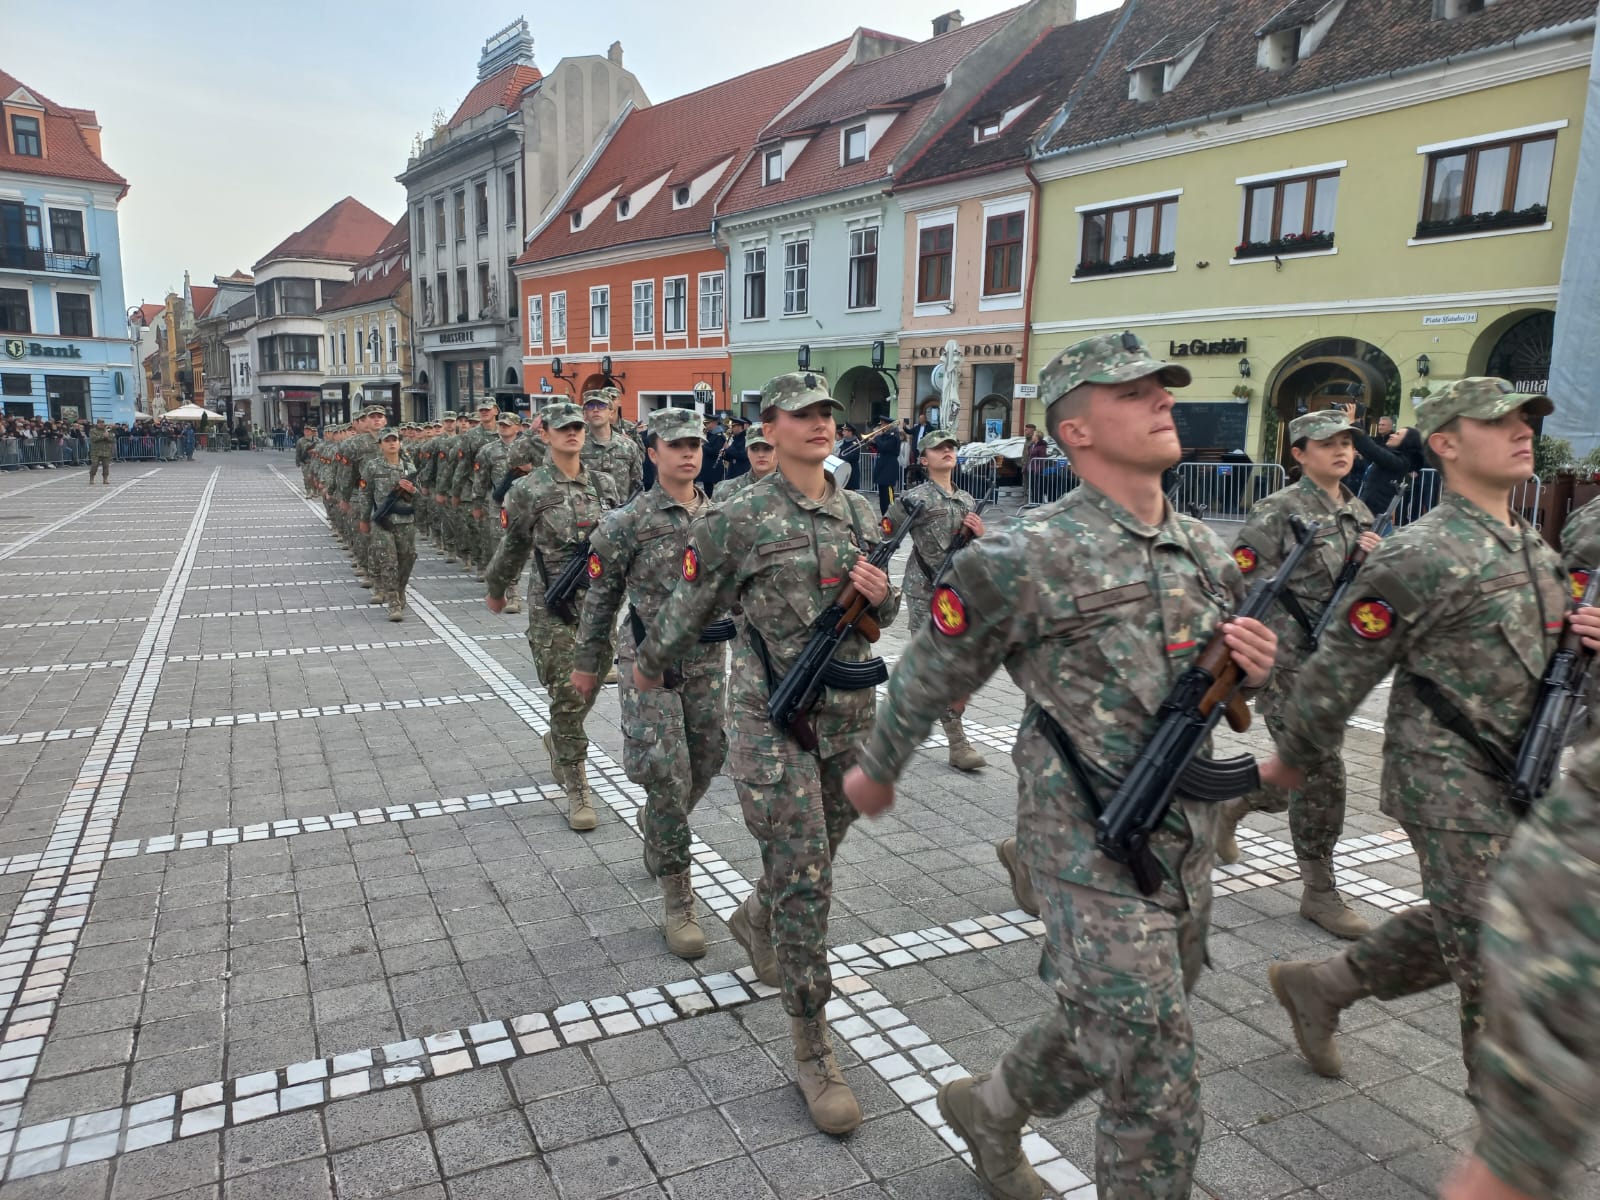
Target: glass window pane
[1260,214]
[1293,218]
[1533,174]
[1489,189]
[1449,181]
[1323,206]
[1144,225]
[1169,227]
[1094,238]
[1119,236]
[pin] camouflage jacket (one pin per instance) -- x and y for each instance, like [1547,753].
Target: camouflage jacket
[1580,542]
[1094,614]
[783,557]
[378,479]
[304,449]
[466,456]
[1539,1058]
[1266,539]
[1463,600]
[619,458]
[488,468]
[529,449]
[729,488]
[353,453]
[102,439]
[937,522]
[636,556]
[551,514]
[444,470]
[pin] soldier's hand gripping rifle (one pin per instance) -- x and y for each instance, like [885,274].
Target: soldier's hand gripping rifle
[1383,527]
[792,700]
[963,538]
[394,503]
[1561,693]
[1170,760]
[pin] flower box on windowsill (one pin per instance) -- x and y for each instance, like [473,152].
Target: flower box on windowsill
[1136,262]
[1294,243]
[1506,218]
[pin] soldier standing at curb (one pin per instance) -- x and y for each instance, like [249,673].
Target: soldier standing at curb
[1322,444]
[943,511]
[783,551]
[102,448]
[550,513]
[449,453]
[392,540]
[763,462]
[673,738]
[1465,606]
[1095,605]
[428,477]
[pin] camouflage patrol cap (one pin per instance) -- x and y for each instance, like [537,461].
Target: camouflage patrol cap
[596,396]
[1480,397]
[1109,358]
[487,404]
[374,410]
[612,393]
[939,437]
[391,433]
[508,418]
[672,424]
[757,438]
[796,390]
[562,415]
[1317,426]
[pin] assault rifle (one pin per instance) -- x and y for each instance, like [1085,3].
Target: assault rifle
[511,476]
[792,700]
[1347,573]
[961,541]
[1561,693]
[561,593]
[1204,693]
[393,504]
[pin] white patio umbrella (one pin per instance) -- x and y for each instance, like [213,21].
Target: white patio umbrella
[193,412]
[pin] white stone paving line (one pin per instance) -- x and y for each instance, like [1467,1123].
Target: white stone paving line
[53,477]
[55,668]
[86,571]
[78,592]
[78,621]
[40,534]
[37,949]
[226,721]
[298,651]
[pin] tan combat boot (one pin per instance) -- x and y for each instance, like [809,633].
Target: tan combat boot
[1314,994]
[580,801]
[363,580]
[397,611]
[1321,902]
[679,923]
[513,601]
[1229,814]
[985,1116]
[1021,886]
[962,756]
[751,928]
[832,1105]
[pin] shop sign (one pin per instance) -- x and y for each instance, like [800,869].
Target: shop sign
[984,350]
[1025,391]
[1199,347]
[1466,318]
[17,348]
[458,337]
[332,393]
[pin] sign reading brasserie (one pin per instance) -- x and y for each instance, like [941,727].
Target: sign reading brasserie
[17,348]
[1199,347]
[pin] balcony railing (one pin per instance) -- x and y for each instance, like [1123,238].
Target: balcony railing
[25,258]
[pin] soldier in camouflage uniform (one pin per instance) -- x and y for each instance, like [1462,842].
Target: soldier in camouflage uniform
[1465,606]
[944,510]
[1322,444]
[1095,605]
[392,541]
[459,485]
[1580,545]
[445,452]
[487,470]
[763,462]
[605,449]
[102,449]
[356,450]
[550,514]
[305,458]
[431,459]
[782,551]
[673,738]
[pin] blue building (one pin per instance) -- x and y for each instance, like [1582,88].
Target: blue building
[64,345]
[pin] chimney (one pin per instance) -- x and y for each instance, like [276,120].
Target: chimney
[948,23]
[614,54]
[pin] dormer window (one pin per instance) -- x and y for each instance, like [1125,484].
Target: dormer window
[772,167]
[1295,32]
[577,221]
[855,144]
[1279,50]
[622,208]
[1144,83]
[986,131]
[25,136]
[680,198]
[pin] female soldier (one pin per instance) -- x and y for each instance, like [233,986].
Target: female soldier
[394,547]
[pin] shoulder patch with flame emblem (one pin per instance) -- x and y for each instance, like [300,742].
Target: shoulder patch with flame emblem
[505,519]
[1580,583]
[948,611]
[1245,559]
[691,564]
[1372,619]
[887,526]
[596,567]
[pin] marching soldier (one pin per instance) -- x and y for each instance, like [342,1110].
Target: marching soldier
[782,551]
[763,462]
[1095,605]
[356,450]
[393,546]
[305,448]
[460,487]
[1322,444]
[673,738]
[488,469]
[551,513]
[604,449]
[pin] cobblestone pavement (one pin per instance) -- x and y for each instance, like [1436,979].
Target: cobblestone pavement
[290,913]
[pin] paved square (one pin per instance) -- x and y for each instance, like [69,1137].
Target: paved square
[290,912]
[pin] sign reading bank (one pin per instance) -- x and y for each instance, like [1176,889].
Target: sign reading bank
[17,348]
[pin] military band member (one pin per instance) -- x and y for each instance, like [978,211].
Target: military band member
[1095,605]
[763,462]
[393,548]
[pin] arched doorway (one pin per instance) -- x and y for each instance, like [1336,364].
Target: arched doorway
[993,407]
[1321,374]
[865,396]
[1521,351]
[591,383]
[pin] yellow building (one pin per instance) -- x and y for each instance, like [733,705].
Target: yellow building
[1314,203]
[367,335]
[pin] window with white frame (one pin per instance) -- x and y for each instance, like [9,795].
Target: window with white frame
[864,267]
[599,314]
[361,345]
[394,343]
[772,167]
[558,318]
[333,350]
[1498,184]
[796,277]
[675,305]
[755,283]
[535,323]
[711,286]
[854,144]
[644,308]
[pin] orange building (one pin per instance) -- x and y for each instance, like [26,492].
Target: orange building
[622,283]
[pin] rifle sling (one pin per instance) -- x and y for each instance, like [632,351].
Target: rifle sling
[1292,606]
[1452,718]
[1206,780]
[922,564]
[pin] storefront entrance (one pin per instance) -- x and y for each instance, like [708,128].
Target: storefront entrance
[1323,374]
[1522,353]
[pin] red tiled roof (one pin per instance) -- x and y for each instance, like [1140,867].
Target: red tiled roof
[201,298]
[347,232]
[379,277]
[502,88]
[149,312]
[680,139]
[67,155]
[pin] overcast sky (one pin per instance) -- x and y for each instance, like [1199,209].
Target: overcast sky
[236,125]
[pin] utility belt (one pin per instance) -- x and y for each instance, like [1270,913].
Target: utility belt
[840,675]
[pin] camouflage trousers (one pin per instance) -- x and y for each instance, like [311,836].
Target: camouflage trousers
[462,528]
[1122,970]
[552,643]
[1436,942]
[394,553]
[491,534]
[1316,810]
[100,460]
[673,745]
[306,477]
[795,808]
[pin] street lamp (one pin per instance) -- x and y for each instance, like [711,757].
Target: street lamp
[1423,365]
[803,360]
[1244,368]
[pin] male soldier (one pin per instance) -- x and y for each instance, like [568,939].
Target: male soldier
[1095,606]
[783,551]
[461,482]
[629,429]
[943,511]
[102,446]
[442,476]
[428,477]
[305,457]
[528,451]
[673,740]
[1464,606]
[1322,444]
[357,449]
[763,462]
[487,470]
[394,549]
[735,459]
[607,451]
[552,513]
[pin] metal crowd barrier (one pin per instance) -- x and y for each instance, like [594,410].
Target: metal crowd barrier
[1427,488]
[864,478]
[148,447]
[978,478]
[18,454]
[1044,481]
[1227,491]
